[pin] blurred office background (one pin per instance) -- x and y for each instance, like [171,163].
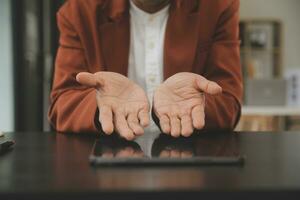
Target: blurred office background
[28,39]
[270,50]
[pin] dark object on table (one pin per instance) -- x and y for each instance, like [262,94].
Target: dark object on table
[6,146]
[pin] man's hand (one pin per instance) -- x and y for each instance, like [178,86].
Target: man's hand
[123,105]
[179,103]
[173,153]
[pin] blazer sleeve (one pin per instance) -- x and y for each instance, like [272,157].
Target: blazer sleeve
[73,107]
[223,66]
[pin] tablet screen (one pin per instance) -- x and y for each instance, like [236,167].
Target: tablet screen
[203,149]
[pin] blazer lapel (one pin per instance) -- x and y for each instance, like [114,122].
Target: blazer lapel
[115,35]
[181,37]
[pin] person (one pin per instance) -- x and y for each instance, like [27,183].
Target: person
[121,60]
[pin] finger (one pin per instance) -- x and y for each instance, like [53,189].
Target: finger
[106,119]
[175,154]
[144,118]
[122,127]
[164,154]
[165,124]
[107,155]
[198,117]
[138,154]
[133,123]
[175,126]
[186,154]
[187,126]
[125,153]
[89,80]
[208,87]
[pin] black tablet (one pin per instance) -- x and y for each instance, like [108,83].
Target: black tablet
[167,151]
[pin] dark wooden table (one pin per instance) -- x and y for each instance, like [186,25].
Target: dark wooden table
[55,166]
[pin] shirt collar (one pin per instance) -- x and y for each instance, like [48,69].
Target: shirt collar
[143,16]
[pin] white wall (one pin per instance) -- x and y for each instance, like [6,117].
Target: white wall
[288,11]
[6,68]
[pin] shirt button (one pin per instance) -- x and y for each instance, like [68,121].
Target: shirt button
[151,45]
[151,19]
[152,79]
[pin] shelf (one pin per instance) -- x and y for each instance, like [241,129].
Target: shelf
[263,50]
[271,110]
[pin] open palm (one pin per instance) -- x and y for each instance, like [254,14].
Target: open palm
[179,103]
[123,105]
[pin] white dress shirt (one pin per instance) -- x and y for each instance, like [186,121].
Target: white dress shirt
[147,35]
[147,47]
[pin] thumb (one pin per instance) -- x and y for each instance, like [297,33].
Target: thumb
[208,87]
[89,80]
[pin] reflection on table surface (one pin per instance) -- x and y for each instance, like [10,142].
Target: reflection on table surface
[165,146]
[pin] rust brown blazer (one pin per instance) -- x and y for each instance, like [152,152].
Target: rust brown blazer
[202,37]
